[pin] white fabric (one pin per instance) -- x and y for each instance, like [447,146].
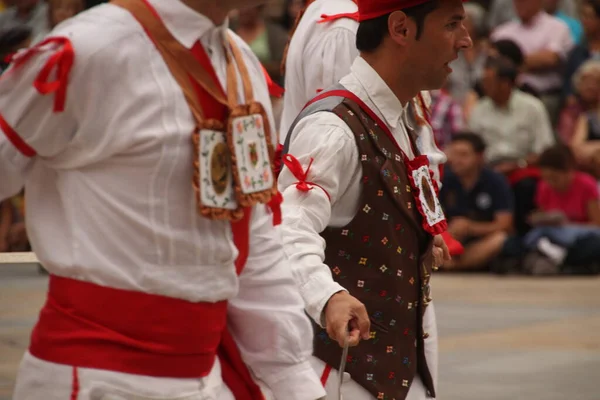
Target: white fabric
[336,168]
[319,55]
[110,198]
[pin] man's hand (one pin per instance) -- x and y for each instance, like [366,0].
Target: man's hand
[343,311]
[440,251]
[459,227]
[506,167]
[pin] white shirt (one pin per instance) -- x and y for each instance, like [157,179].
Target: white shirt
[514,132]
[336,168]
[319,55]
[109,194]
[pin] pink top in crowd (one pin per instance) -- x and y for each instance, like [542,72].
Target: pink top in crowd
[573,202]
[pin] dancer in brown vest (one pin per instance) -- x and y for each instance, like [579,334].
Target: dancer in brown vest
[360,206]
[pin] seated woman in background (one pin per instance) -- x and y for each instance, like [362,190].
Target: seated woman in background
[581,107]
[568,207]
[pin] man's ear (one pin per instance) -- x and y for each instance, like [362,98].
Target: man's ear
[398,27]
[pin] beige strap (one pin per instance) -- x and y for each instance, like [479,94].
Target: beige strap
[183,64]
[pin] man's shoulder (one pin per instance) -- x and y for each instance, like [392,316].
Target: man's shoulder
[317,9]
[528,102]
[506,30]
[493,180]
[102,29]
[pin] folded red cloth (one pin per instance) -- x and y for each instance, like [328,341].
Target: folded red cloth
[454,246]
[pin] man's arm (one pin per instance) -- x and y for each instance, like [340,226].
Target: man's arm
[335,53]
[554,55]
[503,205]
[325,143]
[30,126]
[267,318]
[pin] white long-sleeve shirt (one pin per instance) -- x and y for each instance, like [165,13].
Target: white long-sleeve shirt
[109,189]
[319,55]
[336,168]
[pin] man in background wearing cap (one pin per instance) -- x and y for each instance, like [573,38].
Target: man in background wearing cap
[361,209]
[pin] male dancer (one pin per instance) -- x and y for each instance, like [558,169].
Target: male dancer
[360,205]
[167,279]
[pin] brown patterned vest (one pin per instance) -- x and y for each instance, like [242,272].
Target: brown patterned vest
[383,258]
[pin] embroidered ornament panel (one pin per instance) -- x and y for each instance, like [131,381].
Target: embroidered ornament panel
[252,154]
[432,209]
[216,176]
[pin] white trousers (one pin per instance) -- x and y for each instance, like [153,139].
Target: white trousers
[42,380]
[353,391]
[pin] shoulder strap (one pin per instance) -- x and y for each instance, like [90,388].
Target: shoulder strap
[323,102]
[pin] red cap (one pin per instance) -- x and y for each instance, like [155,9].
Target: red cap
[370,9]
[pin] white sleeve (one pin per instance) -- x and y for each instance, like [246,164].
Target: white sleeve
[267,318]
[561,42]
[335,52]
[30,126]
[325,139]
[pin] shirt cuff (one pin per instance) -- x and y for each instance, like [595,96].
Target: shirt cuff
[298,382]
[316,292]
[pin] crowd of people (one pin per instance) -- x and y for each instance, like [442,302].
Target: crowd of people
[519,120]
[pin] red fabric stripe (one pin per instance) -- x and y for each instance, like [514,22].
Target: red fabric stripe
[351,96]
[325,375]
[15,139]
[75,389]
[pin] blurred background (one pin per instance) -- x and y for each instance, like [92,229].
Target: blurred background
[519,119]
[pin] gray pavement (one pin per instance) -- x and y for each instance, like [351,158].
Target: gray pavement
[501,338]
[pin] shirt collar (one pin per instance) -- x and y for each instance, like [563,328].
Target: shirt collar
[380,93]
[185,24]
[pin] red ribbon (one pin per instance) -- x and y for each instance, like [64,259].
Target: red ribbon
[60,62]
[275,207]
[335,17]
[299,173]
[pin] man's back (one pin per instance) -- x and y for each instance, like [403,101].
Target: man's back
[319,55]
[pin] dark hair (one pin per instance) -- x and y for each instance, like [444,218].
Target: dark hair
[371,32]
[505,68]
[595,4]
[509,49]
[11,38]
[476,141]
[558,157]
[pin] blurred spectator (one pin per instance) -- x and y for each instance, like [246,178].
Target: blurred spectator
[584,103]
[266,39]
[568,209]
[551,7]
[31,13]
[290,12]
[446,117]
[13,236]
[12,40]
[477,201]
[58,11]
[502,11]
[516,129]
[467,69]
[546,41]
[514,125]
[589,48]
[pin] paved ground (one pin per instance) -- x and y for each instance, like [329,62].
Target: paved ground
[501,338]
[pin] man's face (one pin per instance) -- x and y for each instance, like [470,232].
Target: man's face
[443,35]
[527,9]
[463,159]
[590,21]
[551,6]
[25,4]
